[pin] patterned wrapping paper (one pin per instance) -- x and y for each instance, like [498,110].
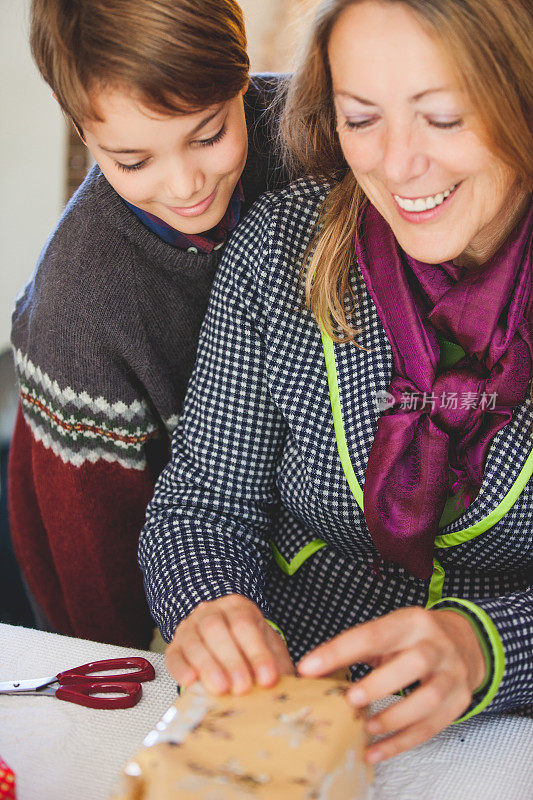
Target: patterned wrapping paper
[299,740]
[7,782]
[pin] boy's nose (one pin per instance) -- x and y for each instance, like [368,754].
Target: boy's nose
[185,184]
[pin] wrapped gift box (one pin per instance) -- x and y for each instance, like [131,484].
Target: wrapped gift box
[299,740]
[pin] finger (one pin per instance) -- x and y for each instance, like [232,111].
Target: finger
[179,668]
[366,642]
[281,654]
[423,702]
[414,734]
[250,635]
[218,635]
[209,671]
[402,670]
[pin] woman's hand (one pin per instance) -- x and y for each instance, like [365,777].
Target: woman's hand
[437,648]
[228,645]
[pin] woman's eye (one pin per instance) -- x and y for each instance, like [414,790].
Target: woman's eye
[213,139]
[131,167]
[357,125]
[446,124]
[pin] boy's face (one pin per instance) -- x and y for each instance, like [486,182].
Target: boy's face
[181,168]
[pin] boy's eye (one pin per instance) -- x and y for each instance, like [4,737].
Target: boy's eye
[213,139]
[131,167]
[202,142]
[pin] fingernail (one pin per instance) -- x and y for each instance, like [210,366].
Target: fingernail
[188,679]
[357,697]
[264,674]
[311,664]
[374,726]
[374,756]
[241,683]
[217,682]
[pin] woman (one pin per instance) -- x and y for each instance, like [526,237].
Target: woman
[105,332]
[396,382]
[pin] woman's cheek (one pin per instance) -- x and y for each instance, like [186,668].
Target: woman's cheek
[362,156]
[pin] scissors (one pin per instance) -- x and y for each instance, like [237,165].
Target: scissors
[77,685]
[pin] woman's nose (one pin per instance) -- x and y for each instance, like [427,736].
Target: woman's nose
[403,157]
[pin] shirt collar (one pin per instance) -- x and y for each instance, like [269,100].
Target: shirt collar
[206,242]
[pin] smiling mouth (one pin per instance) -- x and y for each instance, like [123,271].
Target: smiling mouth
[419,204]
[196,209]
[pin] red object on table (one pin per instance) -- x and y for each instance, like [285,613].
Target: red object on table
[7,782]
[79,685]
[144,671]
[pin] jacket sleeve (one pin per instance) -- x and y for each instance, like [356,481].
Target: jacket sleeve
[207,526]
[75,532]
[506,625]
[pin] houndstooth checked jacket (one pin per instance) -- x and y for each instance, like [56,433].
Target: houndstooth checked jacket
[255,460]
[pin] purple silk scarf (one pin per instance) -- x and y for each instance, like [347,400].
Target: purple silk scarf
[488,312]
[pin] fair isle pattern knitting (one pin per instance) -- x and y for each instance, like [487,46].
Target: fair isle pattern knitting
[79,428]
[255,460]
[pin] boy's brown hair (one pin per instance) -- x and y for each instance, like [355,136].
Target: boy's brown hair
[174,55]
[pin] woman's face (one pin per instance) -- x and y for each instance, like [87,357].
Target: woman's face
[181,168]
[412,139]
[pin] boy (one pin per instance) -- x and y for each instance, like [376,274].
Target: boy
[105,332]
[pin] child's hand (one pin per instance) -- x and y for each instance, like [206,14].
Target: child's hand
[439,649]
[227,645]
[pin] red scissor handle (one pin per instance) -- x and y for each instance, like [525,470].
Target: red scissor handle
[82,693]
[144,671]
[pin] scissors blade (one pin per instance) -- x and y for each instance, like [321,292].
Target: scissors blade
[13,687]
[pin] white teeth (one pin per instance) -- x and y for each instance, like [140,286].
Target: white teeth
[423,203]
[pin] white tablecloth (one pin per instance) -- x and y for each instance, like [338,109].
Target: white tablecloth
[60,751]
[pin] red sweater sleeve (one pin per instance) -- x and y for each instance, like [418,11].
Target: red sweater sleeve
[75,532]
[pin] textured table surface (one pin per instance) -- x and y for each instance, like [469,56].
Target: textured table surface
[61,751]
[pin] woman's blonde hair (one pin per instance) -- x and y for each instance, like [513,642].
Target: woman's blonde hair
[489,44]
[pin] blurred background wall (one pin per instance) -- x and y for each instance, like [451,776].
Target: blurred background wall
[32,170]
[32,167]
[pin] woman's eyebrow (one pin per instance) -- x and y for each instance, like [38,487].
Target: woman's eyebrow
[414,99]
[355,97]
[420,95]
[136,150]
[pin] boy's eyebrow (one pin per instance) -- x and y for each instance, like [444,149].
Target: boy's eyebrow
[119,151]
[130,150]
[414,99]
[205,121]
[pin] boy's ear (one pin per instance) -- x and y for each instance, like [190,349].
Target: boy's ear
[76,126]
[78,130]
